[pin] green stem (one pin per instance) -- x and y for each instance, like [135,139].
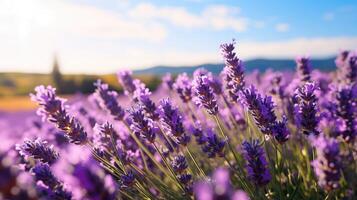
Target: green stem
[169,167]
[194,161]
[148,153]
[226,137]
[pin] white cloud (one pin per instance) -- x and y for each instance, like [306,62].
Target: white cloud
[176,15]
[329,16]
[316,47]
[67,18]
[218,17]
[282,27]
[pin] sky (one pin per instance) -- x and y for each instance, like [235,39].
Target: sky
[97,36]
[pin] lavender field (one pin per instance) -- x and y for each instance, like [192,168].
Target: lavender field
[232,136]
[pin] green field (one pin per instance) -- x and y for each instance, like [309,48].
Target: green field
[21,84]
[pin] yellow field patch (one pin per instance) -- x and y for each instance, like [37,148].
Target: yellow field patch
[17,103]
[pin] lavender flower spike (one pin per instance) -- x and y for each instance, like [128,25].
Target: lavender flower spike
[179,165]
[327,165]
[53,109]
[204,94]
[257,166]
[127,82]
[142,95]
[262,109]
[346,109]
[38,149]
[183,87]
[126,180]
[172,122]
[102,135]
[350,69]
[108,100]
[142,125]
[213,146]
[341,58]
[43,173]
[234,66]
[280,130]
[306,109]
[233,72]
[168,81]
[303,67]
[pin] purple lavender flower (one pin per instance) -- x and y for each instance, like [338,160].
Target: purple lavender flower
[213,81]
[240,195]
[303,66]
[42,172]
[262,109]
[179,164]
[197,132]
[341,58]
[327,165]
[38,149]
[59,193]
[280,130]
[221,180]
[127,180]
[346,109]
[219,188]
[169,82]
[142,95]
[351,68]
[216,84]
[200,72]
[277,87]
[185,179]
[257,166]
[102,136]
[108,100]
[204,94]
[172,122]
[52,108]
[127,82]
[142,125]
[306,110]
[234,69]
[183,87]
[213,146]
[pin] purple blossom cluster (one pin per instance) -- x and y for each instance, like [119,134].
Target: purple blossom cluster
[204,94]
[53,109]
[257,165]
[234,70]
[108,100]
[306,109]
[219,187]
[327,165]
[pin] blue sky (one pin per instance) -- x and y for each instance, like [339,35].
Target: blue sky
[96,36]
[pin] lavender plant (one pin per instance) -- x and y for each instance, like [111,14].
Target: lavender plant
[231,136]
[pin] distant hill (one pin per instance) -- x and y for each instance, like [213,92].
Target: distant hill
[327,64]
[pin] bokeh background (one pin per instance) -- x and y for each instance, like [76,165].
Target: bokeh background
[71,43]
